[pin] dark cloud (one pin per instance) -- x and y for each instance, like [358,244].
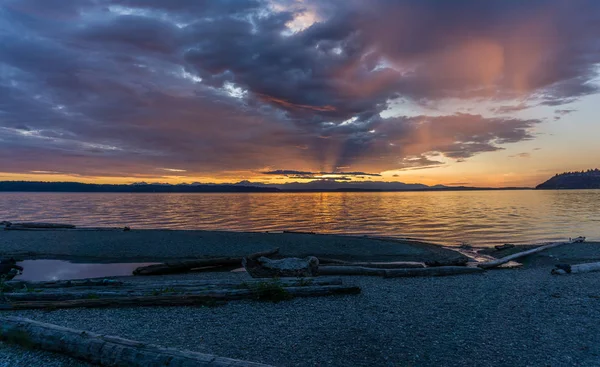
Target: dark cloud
[419,162]
[558,114]
[564,112]
[304,175]
[286,172]
[507,110]
[129,87]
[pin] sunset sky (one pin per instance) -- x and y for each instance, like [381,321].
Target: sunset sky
[461,92]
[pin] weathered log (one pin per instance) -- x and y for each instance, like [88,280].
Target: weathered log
[39,225]
[562,269]
[289,267]
[56,294]
[349,270]
[432,272]
[381,265]
[389,265]
[91,284]
[268,290]
[102,349]
[452,261]
[188,265]
[518,255]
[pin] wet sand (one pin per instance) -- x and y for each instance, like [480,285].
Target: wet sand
[164,245]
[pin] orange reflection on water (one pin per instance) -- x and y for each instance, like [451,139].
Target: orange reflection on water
[481,218]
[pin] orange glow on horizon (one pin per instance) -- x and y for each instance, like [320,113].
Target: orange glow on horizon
[409,177]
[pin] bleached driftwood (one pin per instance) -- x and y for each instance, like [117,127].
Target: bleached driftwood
[475,257]
[437,271]
[208,298]
[102,349]
[503,260]
[562,269]
[178,267]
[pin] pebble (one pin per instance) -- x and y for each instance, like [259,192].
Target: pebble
[500,318]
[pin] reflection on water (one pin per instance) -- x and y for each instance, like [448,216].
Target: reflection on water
[43,270]
[482,218]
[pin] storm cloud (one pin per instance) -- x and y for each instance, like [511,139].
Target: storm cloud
[218,88]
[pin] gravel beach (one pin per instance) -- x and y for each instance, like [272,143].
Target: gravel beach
[520,317]
[517,317]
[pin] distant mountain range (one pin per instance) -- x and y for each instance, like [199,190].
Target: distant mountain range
[589,179]
[28,186]
[243,186]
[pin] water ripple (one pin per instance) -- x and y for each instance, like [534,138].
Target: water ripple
[483,218]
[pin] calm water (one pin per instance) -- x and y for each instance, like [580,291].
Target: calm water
[482,218]
[44,270]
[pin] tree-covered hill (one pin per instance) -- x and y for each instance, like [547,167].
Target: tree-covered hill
[589,179]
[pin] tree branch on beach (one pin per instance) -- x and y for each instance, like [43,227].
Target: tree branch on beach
[503,260]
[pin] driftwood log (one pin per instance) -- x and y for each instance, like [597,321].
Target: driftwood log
[394,273]
[178,267]
[95,284]
[264,267]
[102,349]
[200,298]
[562,269]
[143,289]
[381,265]
[453,261]
[518,255]
[431,272]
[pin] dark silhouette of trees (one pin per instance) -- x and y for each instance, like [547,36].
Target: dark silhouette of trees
[586,179]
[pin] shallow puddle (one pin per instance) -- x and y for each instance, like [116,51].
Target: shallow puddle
[41,270]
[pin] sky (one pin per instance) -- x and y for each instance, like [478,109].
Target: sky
[463,92]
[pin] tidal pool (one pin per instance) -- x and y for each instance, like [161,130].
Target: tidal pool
[42,270]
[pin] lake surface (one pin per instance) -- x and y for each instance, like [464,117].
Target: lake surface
[481,218]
